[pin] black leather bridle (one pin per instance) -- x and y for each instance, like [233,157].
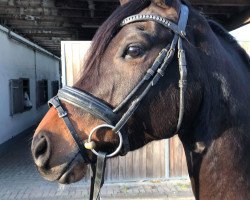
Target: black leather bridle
[100,110]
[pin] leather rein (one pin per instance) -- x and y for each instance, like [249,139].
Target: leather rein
[101,110]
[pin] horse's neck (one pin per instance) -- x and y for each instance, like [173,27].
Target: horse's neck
[219,168]
[217,148]
[218,160]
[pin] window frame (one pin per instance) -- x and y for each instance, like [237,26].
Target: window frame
[41,87]
[17,100]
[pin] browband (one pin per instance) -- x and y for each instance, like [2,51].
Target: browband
[179,29]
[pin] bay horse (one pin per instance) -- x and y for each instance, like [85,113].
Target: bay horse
[209,109]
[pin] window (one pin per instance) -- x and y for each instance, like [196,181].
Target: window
[19,96]
[54,87]
[42,93]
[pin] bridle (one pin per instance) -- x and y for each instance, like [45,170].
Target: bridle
[101,110]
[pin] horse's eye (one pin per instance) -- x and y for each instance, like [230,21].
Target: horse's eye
[134,51]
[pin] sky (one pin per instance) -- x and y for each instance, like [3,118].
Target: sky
[242,34]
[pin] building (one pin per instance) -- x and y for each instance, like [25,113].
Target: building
[29,76]
[242,36]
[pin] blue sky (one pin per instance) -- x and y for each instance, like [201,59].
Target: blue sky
[242,34]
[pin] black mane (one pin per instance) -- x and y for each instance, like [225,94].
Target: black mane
[106,33]
[219,30]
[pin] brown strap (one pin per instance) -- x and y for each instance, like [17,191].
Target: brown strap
[55,102]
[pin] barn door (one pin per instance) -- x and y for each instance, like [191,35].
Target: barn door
[177,158]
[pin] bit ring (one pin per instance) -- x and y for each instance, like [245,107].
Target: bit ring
[111,127]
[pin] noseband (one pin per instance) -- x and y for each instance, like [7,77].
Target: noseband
[101,110]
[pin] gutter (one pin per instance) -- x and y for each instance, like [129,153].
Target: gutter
[26,42]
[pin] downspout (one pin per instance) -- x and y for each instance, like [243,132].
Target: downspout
[91,8]
[35,58]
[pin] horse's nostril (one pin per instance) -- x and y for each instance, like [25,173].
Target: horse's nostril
[41,147]
[41,151]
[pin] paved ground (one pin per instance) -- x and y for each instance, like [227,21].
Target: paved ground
[20,180]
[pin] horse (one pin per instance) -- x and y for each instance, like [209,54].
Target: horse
[208,107]
[27,102]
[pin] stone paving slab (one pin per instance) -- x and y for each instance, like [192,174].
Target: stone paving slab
[20,180]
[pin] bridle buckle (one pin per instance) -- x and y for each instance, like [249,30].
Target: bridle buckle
[62,114]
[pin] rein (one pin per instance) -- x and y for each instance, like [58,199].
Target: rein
[100,110]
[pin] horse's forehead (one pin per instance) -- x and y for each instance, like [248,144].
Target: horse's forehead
[171,13]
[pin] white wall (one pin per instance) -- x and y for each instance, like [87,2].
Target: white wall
[243,37]
[19,61]
[242,33]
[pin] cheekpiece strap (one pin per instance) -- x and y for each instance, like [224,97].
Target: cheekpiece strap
[55,102]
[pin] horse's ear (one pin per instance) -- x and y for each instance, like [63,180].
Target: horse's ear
[163,3]
[124,1]
[168,8]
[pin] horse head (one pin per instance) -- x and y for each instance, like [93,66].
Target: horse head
[119,58]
